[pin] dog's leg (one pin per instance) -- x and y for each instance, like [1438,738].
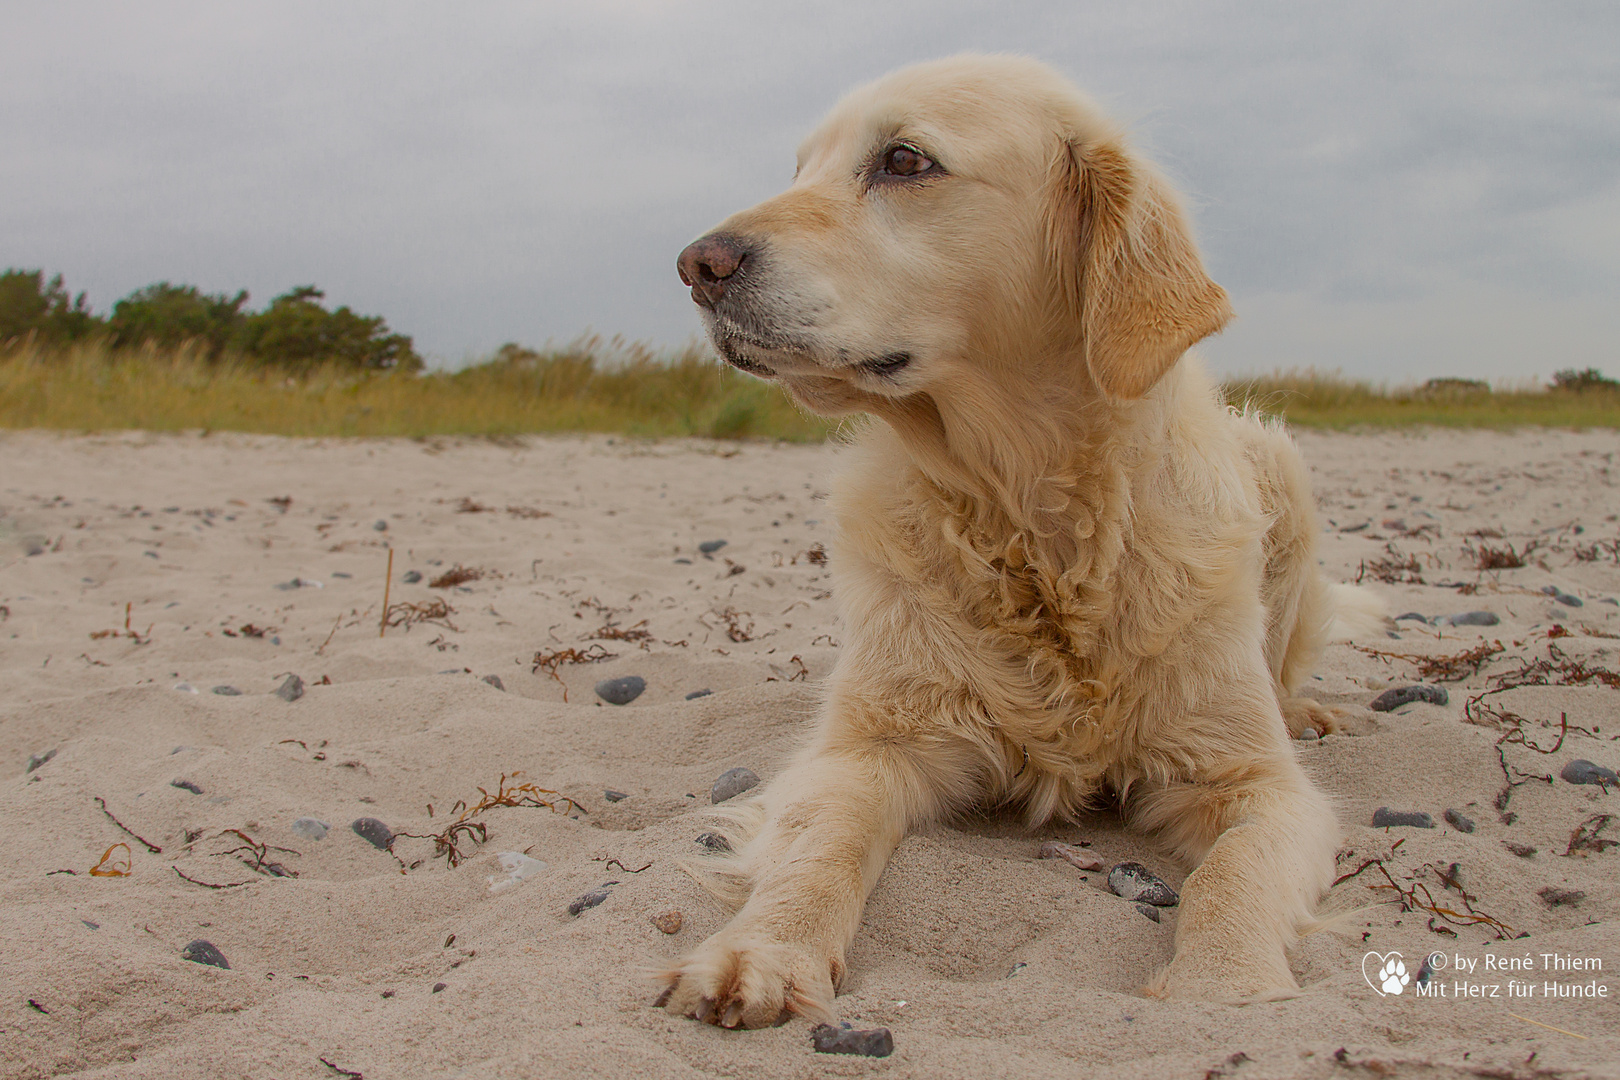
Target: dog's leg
[1267,838]
[833,820]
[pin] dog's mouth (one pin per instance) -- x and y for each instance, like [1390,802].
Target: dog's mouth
[773,356]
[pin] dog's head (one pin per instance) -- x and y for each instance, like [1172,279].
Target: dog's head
[957,218]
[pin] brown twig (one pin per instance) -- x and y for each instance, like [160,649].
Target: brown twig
[207,884]
[352,1074]
[153,848]
[260,852]
[388,583]
[330,635]
[1586,838]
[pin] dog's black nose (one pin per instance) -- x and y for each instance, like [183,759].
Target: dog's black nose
[708,263]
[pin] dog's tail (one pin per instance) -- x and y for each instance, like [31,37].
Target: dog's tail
[1357,613]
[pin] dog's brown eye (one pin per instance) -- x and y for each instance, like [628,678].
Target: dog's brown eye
[906,161]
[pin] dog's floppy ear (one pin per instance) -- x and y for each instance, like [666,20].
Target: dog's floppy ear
[1128,267]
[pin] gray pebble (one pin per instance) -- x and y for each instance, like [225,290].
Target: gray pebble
[36,760]
[694,695]
[204,952]
[291,689]
[1405,695]
[1134,881]
[1581,771]
[227,691]
[1568,601]
[39,549]
[713,841]
[1384,818]
[1473,618]
[316,829]
[683,562]
[843,1039]
[186,785]
[1457,820]
[709,547]
[439,987]
[1149,910]
[380,525]
[589,900]
[732,782]
[1610,600]
[614,796]
[495,681]
[621,691]
[1310,734]
[342,574]
[412,577]
[373,832]
[1412,616]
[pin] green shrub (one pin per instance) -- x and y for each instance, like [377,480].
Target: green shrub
[45,312]
[1579,382]
[297,333]
[168,316]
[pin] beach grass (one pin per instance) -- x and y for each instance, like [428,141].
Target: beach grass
[607,386]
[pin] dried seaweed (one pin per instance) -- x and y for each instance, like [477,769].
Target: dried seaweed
[1411,900]
[1586,838]
[147,844]
[556,658]
[1397,569]
[137,636]
[408,614]
[1505,557]
[1556,669]
[1453,668]
[527,512]
[1598,549]
[735,630]
[455,576]
[614,632]
[464,830]
[261,862]
[109,868]
[207,884]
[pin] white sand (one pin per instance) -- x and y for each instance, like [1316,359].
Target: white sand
[982,960]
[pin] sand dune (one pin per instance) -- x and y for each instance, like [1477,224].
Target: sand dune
[169,566]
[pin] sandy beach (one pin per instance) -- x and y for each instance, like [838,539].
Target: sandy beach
[157,591]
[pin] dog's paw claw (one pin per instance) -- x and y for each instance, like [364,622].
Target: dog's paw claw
[733,1015]
[705,1011]
[663,998]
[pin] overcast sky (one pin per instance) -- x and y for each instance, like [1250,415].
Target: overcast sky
[1394,190]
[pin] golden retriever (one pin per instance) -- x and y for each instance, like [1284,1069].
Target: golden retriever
[1066,570]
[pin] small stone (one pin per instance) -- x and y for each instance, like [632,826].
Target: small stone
[1149,910]
[380,525]
[869,1042]
[373,832]
[1553,897]
[1133,881]
[1523,851]
[1412,616]
[732,782]
[588,901]
[683,562]
[1458,821]
[91,925]
[1394,698]
[694,695]
[438,987]
[315,829]
[614,796]
[709,547]
[1473,618]
[36,760]
[1057,849]
[669,922]
[1581,771]
[186,785]
[1568,600]
[227,691]
[412,577]
[34,547]
[1310,734]
[621,691]
[1385,818]
[495,681]
[204,952]
[342,574]
[713,841]
[291,689]
[185,688]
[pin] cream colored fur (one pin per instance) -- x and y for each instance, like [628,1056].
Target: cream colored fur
[1067,572]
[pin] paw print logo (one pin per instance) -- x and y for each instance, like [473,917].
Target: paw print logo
[1385,973]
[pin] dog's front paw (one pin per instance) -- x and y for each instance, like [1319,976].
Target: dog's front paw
[739,979]
[1211,978]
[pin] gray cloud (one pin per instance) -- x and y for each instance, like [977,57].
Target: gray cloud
[1394,190]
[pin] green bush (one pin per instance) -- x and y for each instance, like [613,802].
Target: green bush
[29,307]
[168,316]
[296,332]
[1578,382]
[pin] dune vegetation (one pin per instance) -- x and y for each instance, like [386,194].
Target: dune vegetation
[171,358]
